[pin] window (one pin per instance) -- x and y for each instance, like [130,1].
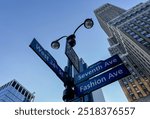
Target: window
[136,88]
[143,86]
[124,82]
[23,91]
[148,35]
[125,28]
[145,18]
[140,94]
[140,39]
[133,84]
[136,36]
[133,73]
[135,27]
[130,69]
[145,43]
[29,96]
[146,91]
[143,32]
[26,94]
[140,72]
[148,19]
[128,30]
[139,29]
[131,80]
[138,80]
[138,21]
[17,86]
[132,96]
[131,25]
[20,89]
[128,88]
[131,33]
[142,23]
[14,83]
[147,25]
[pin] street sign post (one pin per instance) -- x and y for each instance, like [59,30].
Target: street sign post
[48,59]
[72,56]
[97,68]
[101,80]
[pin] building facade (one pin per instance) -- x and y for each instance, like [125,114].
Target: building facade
[130,39]
[13,91]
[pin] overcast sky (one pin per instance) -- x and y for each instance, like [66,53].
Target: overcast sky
[47,20]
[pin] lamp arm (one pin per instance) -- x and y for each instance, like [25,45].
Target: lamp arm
[78,28]
[61,38]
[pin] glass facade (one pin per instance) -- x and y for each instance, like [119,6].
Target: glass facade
[15,92]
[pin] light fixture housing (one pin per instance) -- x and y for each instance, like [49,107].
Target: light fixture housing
[55,44]
[88,23]
[71,40]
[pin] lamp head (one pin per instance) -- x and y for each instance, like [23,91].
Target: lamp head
[55,44]
[88,23]
[71,40]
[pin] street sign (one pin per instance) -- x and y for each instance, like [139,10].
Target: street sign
[95,64]
[72,56]
[101,80]
[97,68]
[47,58]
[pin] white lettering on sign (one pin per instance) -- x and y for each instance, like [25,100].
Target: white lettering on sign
[110,62]
[92,84]
[96,69]
[42,52]
[103,79]
[90,72]
[48,59]
[115,74]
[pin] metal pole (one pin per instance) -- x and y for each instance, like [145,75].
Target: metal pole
[68,93]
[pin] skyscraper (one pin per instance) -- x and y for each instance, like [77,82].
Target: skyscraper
[129,36]
[104,15]
[13,91]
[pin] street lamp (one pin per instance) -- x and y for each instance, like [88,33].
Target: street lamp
[69,92]
[55,44]
[88,23]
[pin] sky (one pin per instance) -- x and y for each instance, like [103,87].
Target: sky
[48,20]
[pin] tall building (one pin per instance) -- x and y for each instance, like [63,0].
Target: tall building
[129,37]
[104,15]
[13,91]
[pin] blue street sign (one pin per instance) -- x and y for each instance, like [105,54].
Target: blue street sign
[95,64]
[101,80]
[47,58]
[97,68]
